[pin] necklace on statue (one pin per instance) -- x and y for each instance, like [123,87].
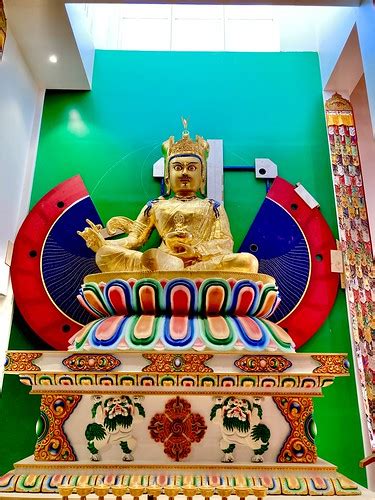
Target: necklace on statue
[185,198]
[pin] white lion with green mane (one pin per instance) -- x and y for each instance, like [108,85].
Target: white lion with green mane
[114,418]
[240,423]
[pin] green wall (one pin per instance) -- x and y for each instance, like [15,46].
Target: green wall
[261,105]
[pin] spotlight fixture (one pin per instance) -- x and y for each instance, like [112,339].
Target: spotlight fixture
[53,59]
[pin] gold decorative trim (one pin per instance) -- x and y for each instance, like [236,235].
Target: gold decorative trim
[177,362]
[168,275]
[334,365]
[338,103]
[53,443]
[194,380]
[177,465]
[82,362]
[176,374]
[21,361]
[136,391]
[258,363]
[299,446]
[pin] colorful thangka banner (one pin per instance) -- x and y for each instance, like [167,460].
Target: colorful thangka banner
[355,244]
[3,28]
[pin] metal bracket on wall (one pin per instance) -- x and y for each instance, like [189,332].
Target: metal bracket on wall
[306,196]
[337,263]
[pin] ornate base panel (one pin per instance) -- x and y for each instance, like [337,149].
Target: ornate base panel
[204,418]
[161,429]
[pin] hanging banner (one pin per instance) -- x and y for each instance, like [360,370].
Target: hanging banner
[3,28]
[355,244]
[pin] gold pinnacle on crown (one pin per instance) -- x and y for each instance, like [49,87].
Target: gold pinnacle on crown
[186,145]
[185,122]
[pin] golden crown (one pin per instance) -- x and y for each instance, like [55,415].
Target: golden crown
[186,146]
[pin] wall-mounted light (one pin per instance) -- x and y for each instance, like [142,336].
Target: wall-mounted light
[52,58]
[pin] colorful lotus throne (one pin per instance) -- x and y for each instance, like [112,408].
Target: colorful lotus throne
[181,313]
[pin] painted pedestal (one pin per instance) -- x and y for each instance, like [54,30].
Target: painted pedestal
[162,418]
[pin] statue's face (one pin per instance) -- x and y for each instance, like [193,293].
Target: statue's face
[185,173]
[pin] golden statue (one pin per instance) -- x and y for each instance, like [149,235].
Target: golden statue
[195,231]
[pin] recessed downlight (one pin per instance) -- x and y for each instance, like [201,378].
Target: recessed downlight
[52,58]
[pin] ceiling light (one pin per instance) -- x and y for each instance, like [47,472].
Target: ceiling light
[53,59]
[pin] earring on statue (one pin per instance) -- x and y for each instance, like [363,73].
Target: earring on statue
[167,186]
[202,187]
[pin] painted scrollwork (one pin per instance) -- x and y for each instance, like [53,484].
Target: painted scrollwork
[52,442]
[299,446]
[261,363]
[336,364]
[91,362]
[21,361]
[184,363]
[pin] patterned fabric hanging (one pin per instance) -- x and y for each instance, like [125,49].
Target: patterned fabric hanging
[355,245]
[3,28]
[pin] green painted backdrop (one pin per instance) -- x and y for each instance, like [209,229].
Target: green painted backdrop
[261,105]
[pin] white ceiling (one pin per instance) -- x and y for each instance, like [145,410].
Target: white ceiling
[43,27]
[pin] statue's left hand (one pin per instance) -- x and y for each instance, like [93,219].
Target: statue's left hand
[184,250]
[92,235]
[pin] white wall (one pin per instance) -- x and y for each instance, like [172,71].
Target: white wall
[333,31]
[344,61]
[366,35]
[298,26]
[21,103]
[348,69]
[79,24]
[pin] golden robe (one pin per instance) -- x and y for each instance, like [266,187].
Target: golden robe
[201,224]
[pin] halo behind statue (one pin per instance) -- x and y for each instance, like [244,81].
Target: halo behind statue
[50,262]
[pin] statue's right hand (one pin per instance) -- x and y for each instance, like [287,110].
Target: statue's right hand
[92,235]
[118,225]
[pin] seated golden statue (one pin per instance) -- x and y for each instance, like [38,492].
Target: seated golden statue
[195,231]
